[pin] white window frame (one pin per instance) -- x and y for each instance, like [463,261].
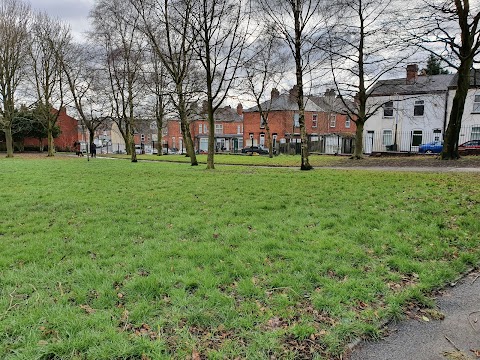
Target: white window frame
[205,129]
[475,133]
[314,121]
[387,108]
[218,129]
[296,120]
[416,134]
[332,120]
[437,134]
[476,104]
[142,137]
[420,106]
[387,137]
[200,127]
[239,129]
[262,122]
[348,123]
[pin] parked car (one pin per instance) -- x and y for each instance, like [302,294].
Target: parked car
[254,149]
[472,144]
[471,147]
[434,147]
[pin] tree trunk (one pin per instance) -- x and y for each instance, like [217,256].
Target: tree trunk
[211,137]
[299,74]
[131,145]
[450,149]
[270,142]
[9,141]
[159,140]
[358,153]
[51,143]
[187,136]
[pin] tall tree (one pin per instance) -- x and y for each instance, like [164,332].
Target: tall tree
[450,30]
[297,23]
[220,28]
[14,23]
[167,24]
[82,77]
[363,47]
[50,38]
[263,70]
[124,51]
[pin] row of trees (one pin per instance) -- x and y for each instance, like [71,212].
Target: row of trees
[158,58]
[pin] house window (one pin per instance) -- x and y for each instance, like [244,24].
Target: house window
[296,120]
[262,122]
[205,129]
[165,131]
[347,123]
[274,140]
[173,142]
[416,137]
[387,137]
[142,137]
[218,128]
[418,108]
[475,135]
[476,104]
[239,129]
[262,140]
[200,127]
[437,134]
[333,120]
[314,120]
[388,109]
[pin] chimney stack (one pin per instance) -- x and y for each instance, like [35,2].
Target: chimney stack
[293,94]
[275,94]
[240,109]
[412,73]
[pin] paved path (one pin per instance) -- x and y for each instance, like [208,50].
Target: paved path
[421,340]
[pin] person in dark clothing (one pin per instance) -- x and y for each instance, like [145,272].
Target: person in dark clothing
[93,150]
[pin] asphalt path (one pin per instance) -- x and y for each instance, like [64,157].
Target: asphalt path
[457,337]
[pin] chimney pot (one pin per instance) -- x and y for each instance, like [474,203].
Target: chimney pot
[412,72]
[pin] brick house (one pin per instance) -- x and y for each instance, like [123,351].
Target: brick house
[228,131]
[68,133]
[328,130]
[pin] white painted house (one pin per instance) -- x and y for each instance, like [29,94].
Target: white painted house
[471,114]
[411,111]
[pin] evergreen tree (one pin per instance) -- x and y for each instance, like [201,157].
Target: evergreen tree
[434,66]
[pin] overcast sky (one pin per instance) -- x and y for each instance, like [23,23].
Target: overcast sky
[73,12]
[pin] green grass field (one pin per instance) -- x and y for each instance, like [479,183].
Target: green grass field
[112,260]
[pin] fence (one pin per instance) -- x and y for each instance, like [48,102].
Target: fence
[409,141]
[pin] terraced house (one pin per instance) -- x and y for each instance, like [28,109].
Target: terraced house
[328,127]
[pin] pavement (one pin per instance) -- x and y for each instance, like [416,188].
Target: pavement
[456,337]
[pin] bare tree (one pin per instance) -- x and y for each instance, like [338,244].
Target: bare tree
[363,47]
[297,23]
[450,30]
[14,22]
[220,29]
[82,77]
[263,71]
[166,23]
[124,47]
[50,38]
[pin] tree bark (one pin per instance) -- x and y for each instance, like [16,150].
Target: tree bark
[9,141]
[450,149]
[51,143]
[358,153]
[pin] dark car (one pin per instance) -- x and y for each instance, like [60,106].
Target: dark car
[254,149]
[434,147]
[471,147]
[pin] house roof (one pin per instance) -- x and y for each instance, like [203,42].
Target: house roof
[330,103]
[285,102]
[423,84]
[474,79]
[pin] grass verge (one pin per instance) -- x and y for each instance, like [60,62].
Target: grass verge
[112,260]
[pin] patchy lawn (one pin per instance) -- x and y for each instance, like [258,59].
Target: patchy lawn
[113,260]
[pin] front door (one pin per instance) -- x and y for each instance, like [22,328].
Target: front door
[369,142]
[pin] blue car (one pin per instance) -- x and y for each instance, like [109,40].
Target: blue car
[434,147]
